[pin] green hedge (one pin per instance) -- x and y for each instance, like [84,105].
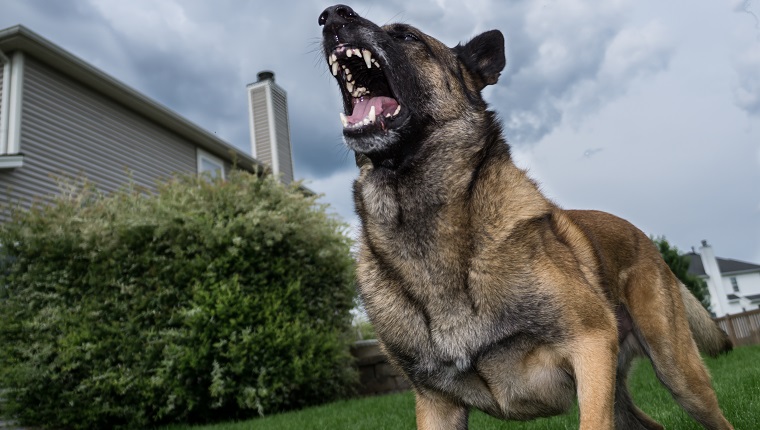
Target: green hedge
[208,300]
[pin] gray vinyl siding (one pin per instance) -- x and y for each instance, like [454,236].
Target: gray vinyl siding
[261,125]
[280,107]
[71,131]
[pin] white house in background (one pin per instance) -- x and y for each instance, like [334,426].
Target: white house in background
[734,285]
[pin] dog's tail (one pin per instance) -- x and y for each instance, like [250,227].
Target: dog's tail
[710,338]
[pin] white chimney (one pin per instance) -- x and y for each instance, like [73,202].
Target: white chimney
[269,125]
[718,295]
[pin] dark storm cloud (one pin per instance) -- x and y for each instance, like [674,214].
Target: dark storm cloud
[319,152]
[571,65]
[36,11]
[575,73]
[196,57]
[72,25]
[563,58]
[196,86]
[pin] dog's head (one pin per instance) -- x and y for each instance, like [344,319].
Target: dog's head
[398,83]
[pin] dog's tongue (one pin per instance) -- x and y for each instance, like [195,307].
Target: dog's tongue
[383,106]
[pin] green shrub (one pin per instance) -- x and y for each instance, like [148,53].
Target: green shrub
[208,300]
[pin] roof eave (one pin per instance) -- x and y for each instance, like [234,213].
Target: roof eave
[21,38]
[741,272]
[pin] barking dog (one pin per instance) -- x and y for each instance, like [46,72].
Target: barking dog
[484,292]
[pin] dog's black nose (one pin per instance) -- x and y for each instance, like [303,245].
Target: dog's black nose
[337,16]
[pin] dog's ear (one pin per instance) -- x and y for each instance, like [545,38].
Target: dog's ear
[484,56]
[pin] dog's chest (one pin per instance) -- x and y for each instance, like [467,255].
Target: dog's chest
[516,380]
[451,329]
[429,321]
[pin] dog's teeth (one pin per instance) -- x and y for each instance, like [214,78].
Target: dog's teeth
[343,119]
[375,63]
[398,109]
[350,87]
[349,77]
[357,52]
[371,115]
[335,69]
[367,58]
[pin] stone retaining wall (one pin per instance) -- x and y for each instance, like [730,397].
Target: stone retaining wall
[376,376]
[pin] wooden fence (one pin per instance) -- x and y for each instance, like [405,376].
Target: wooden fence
[743,328]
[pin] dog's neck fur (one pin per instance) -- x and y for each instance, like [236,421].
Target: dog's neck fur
[397,219]
[433,247]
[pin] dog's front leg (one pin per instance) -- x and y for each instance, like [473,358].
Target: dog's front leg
[594,359]
[436,412]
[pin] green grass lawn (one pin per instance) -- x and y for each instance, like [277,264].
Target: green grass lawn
[736,378]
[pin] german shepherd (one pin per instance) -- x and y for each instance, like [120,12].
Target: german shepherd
[481,290]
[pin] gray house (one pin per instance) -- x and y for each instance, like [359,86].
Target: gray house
[62,116]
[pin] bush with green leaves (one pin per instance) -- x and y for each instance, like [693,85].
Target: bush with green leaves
[207,300]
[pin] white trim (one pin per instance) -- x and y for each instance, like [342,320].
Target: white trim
[5,102]
[290,137]
[13,143]
[290,152]
[201,155]
[251,122]
[272,132]
[11,161]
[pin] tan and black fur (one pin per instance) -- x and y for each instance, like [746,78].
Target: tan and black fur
[485,293]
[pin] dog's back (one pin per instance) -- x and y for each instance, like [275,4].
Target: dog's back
[618,244]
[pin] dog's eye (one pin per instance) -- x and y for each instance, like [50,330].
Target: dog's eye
[407,37]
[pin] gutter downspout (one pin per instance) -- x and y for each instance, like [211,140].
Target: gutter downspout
[5,102]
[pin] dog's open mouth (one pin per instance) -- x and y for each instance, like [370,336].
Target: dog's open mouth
[368,100]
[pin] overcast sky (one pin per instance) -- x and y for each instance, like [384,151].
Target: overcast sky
[646,109]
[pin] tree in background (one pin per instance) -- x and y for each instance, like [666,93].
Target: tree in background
[679,265]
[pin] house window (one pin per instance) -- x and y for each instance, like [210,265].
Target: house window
[210,165]
[734,284]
